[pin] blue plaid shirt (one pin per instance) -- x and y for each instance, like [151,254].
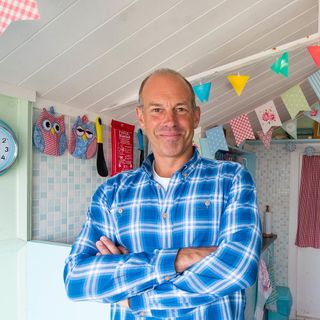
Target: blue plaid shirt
[208,203]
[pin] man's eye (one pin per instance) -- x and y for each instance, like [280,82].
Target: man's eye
[181,109]
[156,110]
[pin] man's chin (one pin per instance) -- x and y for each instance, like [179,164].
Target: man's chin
[172,152]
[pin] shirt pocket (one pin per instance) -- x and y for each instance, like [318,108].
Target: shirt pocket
[206,223]
[203,208]
[122,217]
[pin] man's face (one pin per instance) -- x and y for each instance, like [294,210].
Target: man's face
[167,117]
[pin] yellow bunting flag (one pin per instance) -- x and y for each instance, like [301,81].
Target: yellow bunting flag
[238,82]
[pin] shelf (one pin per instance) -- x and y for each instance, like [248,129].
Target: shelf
[237,150]
[266,242]
[286,141]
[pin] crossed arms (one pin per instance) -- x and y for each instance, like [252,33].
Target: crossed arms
[167,279]
[186,257]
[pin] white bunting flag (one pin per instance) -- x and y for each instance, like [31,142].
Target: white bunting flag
[291,127]
[268,116]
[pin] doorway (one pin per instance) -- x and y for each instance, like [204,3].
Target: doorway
[303,263]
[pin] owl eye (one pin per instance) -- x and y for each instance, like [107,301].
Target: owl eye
[56,127]
[46,124]
[89,134]
[79,131]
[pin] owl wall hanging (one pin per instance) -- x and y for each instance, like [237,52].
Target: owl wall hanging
[49,134]
[82,139]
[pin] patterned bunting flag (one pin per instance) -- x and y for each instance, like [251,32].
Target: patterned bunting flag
[205,149]
[17,10]
[268,116]
[265,137]
[314,81]
[314,113]
[295,101]
[242,129]
[291,127]
[216,140]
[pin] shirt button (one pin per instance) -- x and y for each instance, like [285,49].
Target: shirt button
[185,174]
[207,203]
[165,215]
[167,278]
[158,186]
[142,313]
[120,210]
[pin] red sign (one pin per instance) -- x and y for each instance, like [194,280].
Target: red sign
[122,146]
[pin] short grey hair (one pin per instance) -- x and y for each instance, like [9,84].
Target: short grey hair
[166,71]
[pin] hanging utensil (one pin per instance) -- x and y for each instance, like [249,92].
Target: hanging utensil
[101,163]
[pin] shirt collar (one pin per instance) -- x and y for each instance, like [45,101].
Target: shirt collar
[184,170]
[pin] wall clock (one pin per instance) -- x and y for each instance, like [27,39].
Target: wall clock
[8,147]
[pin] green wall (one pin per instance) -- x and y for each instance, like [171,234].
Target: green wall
[15,184]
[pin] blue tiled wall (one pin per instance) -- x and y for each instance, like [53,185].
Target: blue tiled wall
[273,187]
[62,189]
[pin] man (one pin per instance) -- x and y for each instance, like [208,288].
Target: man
[178,238]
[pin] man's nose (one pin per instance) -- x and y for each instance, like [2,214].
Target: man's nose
[170,117]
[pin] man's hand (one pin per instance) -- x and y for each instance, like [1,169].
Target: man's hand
[189,256]
[106,246]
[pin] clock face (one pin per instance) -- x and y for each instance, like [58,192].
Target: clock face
[8,147]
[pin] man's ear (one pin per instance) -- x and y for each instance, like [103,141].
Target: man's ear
[139,116]
[197,114]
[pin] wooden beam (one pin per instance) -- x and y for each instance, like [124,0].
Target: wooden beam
[235,65]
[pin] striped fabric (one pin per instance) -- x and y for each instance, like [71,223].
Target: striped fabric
[208,203]
[314,81]
[308,232]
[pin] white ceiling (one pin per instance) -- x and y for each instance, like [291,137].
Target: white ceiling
[92,55]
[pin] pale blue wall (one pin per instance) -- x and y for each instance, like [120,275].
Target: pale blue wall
[15,185]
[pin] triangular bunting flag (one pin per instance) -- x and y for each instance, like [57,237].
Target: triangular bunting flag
[295,101]
[17,10]
[314,81]
[238,82]
[205,149]
[282,65]
[202,91]
[196,138]
[315,54]
[268,116]
[314,113]
[216,140]
[291,127]
[242,129]
[265,137]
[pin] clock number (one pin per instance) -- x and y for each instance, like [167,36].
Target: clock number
[4,140]
[6,149]
[3,157]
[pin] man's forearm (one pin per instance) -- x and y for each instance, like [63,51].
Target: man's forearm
[124,275]
[186,257]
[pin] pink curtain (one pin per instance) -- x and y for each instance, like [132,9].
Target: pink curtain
[308,232]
